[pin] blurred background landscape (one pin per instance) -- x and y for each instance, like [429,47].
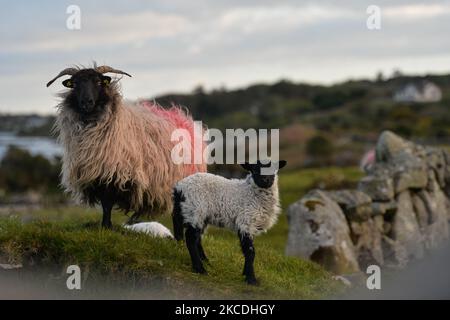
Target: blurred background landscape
[313,70]
[319,125]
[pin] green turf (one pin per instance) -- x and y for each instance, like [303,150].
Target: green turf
[60,237]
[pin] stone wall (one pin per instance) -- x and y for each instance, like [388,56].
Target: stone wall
[399,211]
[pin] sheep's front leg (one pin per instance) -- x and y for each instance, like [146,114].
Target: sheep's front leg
[107,205]
[134,218]
[249,253]
[193,236]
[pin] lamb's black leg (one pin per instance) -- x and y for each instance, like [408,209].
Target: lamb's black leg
[177,217]
[249,253]
[107,205]
[192,239]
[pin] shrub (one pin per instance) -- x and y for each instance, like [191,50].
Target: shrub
[319,146]
[21,171]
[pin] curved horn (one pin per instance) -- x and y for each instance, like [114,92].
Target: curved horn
[68,71]
[106,69]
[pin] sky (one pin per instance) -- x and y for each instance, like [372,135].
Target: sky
[176,45]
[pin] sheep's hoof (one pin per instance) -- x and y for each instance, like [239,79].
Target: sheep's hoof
[200,270]
[252,281]
[107,226]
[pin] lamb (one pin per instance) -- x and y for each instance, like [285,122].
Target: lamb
[117,153]
[154,229]
[247,206]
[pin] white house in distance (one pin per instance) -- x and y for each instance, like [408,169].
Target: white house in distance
[423,91]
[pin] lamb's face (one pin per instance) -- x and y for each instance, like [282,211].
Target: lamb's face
[263,181]
[89,93]
[264,178]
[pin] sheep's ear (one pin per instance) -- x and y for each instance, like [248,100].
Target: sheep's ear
[282,164]
[247,166]
[68,83]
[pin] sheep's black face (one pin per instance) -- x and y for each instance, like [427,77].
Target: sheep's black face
[264,178]
[89,94]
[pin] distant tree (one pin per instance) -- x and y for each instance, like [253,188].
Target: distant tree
[379,77]
[21,171]
[319,147]
[397,73]
[329,99]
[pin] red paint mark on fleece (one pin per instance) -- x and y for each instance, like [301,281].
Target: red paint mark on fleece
[179,118]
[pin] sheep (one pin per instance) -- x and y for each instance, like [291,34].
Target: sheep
[117,153]
[151,228]
[247,206]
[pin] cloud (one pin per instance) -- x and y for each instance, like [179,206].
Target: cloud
[279,18]
[103,30]
[174,47]
[416,11]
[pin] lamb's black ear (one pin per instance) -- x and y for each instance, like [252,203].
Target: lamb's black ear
[247,166]
[282,164]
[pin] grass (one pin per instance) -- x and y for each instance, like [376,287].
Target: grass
[56,238]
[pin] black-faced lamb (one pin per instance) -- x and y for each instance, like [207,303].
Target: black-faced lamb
[114,152]
[247,206]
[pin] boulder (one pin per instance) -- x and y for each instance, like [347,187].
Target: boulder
[389,145]
[379,188]
[435,203]
[405,227]
[366,237]
[436,160]
[318,231]
[446,155]
[394,254]
[409,172]
[422,214]
[354,203]
[381,208]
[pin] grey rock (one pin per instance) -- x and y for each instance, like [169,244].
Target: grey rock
[366,237]
[394,254]
[318,231]
[349,198]
[379,188]
[436,160]
[436,232]
[422,214]
[387,228]
[411,174]
[354,203]
[446,154]
[389,145]
[381,208]
[406,229]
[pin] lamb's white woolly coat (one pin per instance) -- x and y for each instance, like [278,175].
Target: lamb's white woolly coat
[236,204]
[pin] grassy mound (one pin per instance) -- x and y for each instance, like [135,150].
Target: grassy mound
[56,238]
[122,256]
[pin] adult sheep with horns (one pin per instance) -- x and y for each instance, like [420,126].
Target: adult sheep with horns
[117,153]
